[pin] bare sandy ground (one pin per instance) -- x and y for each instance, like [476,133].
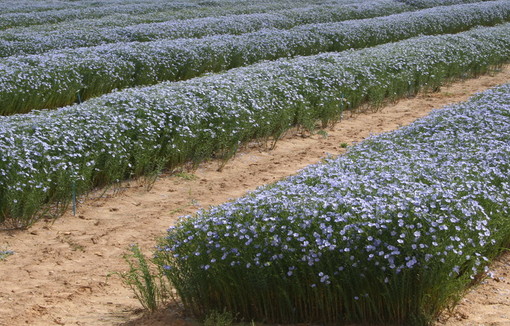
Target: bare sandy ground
[58,274]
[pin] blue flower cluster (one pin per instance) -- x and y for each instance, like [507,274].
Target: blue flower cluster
[5,253]
[433,3]
[389,232]
[57,78]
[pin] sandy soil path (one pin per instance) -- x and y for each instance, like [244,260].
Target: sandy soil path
[58,274]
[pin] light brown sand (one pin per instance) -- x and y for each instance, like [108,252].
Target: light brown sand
[58,274]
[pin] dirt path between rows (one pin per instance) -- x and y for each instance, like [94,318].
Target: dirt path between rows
[57,275]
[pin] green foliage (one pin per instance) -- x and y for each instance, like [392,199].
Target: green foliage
[148,286]
[186,176]
[215,318]
[323,133]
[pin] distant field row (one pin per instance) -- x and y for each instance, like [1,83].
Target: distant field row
[172,23]
[146,11]
[59,78]
[47,154]
[432,3]
[84,33]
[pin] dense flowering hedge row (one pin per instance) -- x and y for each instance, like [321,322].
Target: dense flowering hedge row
[389,233]
[13,19]
[82,34]
[215,8]
[58,78]
[26,6]
[45,154]
[432,3]
[210,9]
[10,6]
[22,13]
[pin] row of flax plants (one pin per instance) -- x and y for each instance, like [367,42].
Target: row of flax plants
[45,156]
[84,33]
[391,233]
[62,77]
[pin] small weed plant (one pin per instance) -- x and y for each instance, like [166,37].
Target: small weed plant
[5,253]
[186,176]
[149,288]
[215,318]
